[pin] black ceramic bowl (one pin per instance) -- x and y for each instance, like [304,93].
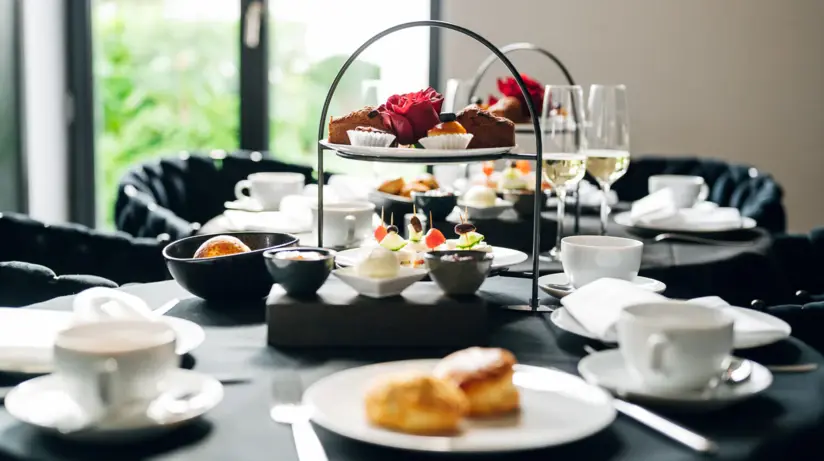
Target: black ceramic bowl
[300,277]
[462,276]
[237,276]
[440,205]
[523,201]
[391,205]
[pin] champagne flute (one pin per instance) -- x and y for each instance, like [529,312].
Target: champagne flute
[608,140]
[562,123]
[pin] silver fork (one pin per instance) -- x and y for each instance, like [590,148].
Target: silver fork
[287,408]
[700,240]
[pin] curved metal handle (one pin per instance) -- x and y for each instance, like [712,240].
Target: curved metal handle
[533,113]
[522,46]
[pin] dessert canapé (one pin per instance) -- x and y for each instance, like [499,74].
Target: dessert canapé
[366,117]
[379,264]
[221,245]
[485,377]
[416,403]
[480,197]
[487,130]
[300,255]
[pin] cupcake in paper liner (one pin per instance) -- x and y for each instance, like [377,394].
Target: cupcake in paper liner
[449,134]
[367,136]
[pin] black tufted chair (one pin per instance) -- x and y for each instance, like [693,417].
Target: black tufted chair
[33,254]
[755,194]
[171,197]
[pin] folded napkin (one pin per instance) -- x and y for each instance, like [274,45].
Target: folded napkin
[597,305]
[659,210]
[105,304]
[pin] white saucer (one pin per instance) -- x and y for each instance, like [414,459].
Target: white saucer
[563,320]
[608,370]
[556,408]
[42,403]
[27,337]
[486,212]
[545,282]
[266,221]
[625,219]
[380,288]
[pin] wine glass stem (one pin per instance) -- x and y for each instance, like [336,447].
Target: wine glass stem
[604,207]
[561,205]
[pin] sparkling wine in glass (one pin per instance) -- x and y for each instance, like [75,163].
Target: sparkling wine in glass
[608,140]
[564,141]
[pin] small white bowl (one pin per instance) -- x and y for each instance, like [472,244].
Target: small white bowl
[380,288]
[488,212]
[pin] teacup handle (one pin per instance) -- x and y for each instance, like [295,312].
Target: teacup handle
[351,223]
[240,187]
[704,194]
[656,346]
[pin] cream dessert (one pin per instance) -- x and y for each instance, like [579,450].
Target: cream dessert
[379,264]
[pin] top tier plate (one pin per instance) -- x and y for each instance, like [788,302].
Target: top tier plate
[408,155]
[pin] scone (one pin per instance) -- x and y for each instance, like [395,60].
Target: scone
[392,186]
[221,245]
[486,129]
[509,107]
[417,404]
[485,377]
[366,117]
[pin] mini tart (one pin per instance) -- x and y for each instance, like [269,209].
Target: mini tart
[485,377]
[416,403]
[449,134]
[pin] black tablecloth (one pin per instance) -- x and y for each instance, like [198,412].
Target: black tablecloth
[783,423]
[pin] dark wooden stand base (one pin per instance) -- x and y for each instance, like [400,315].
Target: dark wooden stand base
[338,317]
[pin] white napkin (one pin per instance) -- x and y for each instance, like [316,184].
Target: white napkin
[745,322]
[597,305]
[270,221]
[697,218]
[658,204]
[106,304]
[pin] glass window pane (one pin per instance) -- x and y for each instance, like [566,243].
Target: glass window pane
[166,79]
[309,42]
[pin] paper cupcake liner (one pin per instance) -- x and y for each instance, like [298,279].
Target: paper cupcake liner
[370,138]
[446,141]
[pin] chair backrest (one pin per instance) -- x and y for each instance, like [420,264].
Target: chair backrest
[173,195]
[756,194]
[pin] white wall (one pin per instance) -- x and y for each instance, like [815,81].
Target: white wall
[741,80]
[46,127]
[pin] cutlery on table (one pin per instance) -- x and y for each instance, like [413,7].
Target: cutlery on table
[287,408]
[701,240]
[162,310]
[662,425]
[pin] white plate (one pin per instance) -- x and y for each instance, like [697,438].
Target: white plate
[420,153]
[380,288]
[624,219]
[248,204]
[265,221]
[27,337]
[43,403]
[556,408]
[545,282]
[563,320]
[502,257]
[608,370]
[486,212]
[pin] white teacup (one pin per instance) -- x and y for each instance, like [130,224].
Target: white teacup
[345,224]
[109,364]
[268,189]
[587,258]
[687,190]
[674,345]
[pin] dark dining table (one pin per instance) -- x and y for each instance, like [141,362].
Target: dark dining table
[785,422]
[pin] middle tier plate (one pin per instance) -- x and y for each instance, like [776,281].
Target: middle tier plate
[410,155]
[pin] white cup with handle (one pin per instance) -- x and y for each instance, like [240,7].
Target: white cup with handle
[675,346]
[106,366]
[269,188]
[345,224]
[687,190]
[587,258]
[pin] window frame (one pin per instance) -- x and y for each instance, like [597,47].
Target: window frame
[253,92]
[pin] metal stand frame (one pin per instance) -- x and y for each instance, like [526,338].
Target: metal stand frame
[536,226]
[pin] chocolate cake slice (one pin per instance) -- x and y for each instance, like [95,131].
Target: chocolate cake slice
[487,130]
[366,117]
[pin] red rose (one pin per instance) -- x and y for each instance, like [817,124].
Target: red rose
[411,115]
[509,87]
[491,101]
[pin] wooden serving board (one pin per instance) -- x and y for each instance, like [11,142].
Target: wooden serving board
[338,317]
